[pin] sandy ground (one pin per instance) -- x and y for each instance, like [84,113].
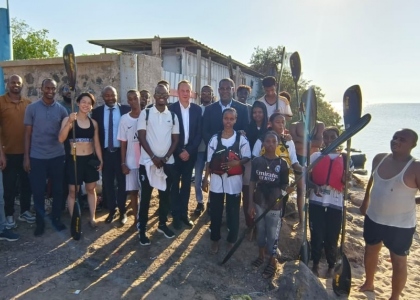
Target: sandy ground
[109,263]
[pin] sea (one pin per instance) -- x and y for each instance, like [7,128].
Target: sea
[386,119]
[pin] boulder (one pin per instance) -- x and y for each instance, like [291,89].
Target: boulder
[298,283]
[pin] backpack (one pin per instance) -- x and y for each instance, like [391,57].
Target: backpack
[224,154]
[281,150]
[148,111]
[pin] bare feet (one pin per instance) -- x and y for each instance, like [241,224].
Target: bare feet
[367,288]
[330,273]
[214,247]
[315,270]
[251,235]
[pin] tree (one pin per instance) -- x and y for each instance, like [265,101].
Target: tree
[29,43]
[266,62]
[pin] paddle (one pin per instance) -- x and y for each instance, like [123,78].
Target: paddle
[352,110]
[71,70]
[340,140]
[296,67]
[280,74]
[310,107]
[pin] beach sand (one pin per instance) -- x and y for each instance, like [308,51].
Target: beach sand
[109,263]
[354,250]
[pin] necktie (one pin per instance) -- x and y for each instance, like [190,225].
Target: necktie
[110,131]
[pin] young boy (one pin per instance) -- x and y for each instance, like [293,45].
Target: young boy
[269,182]
[130,149]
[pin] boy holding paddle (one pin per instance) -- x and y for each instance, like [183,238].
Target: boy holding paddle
[389,207]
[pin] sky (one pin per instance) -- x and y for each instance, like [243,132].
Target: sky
[372,43]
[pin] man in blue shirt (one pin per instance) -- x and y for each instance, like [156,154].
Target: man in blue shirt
[44,154]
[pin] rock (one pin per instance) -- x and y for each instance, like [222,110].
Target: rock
[298,282]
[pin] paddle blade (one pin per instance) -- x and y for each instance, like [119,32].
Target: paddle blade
[295,66]
[341,282]
[304,252]
[76,222]
[230,67]
[70,65]
[347,134]
[310,108]
[352,105]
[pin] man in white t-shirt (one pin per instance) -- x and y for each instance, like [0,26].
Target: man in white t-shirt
[272,101]
[130,149]
[158,132]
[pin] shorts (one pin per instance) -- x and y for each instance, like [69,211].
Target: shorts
[132,182]
[301,159]
[397,240]
[85,172]
[247,173]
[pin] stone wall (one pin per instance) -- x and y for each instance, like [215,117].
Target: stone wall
[94,72]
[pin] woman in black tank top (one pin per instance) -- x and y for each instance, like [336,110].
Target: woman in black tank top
[84,144]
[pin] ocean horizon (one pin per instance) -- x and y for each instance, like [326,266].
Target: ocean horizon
[386,119]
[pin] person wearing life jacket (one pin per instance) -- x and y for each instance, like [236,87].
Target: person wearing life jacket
[286,150]
[227,152]
[326,181]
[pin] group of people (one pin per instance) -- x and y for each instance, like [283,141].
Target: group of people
[245,152]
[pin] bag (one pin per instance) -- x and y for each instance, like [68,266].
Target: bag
[224,154]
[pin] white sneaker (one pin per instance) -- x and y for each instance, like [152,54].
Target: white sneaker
[28,217]
[10,222]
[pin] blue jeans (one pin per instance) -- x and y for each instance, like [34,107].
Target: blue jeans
[41,170]
[199,168]
[2,214]
[268,229]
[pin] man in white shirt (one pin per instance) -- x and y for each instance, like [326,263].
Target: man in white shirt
[274,102]
[189,116]
[158,133]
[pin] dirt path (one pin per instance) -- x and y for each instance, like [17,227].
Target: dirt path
[109,263]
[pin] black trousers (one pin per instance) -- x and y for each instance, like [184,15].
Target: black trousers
[146,193]
[325,226]
[233,203]
[111,171]
[180,196]
[15,176]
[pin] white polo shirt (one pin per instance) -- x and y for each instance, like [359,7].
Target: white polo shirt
[159,130]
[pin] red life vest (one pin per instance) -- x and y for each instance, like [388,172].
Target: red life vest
[329,172]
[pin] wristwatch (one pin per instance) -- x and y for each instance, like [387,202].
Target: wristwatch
[166,159]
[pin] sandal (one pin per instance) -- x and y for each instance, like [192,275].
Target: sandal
[214,248]
[269,271]
[258,262]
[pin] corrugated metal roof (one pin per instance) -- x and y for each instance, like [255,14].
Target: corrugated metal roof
[145,44]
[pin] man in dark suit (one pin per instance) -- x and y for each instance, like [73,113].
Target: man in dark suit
[108,118]
[212,118]
[189,116]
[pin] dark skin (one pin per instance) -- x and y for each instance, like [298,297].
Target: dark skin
[401,144]
[161,100]
[226,92]
[271,98]
[144,99]
[109,94]
[14,87]
[206,95]
[48,89]
[270,143]
[243,95]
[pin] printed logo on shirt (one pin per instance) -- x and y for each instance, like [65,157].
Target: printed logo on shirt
[277,169]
